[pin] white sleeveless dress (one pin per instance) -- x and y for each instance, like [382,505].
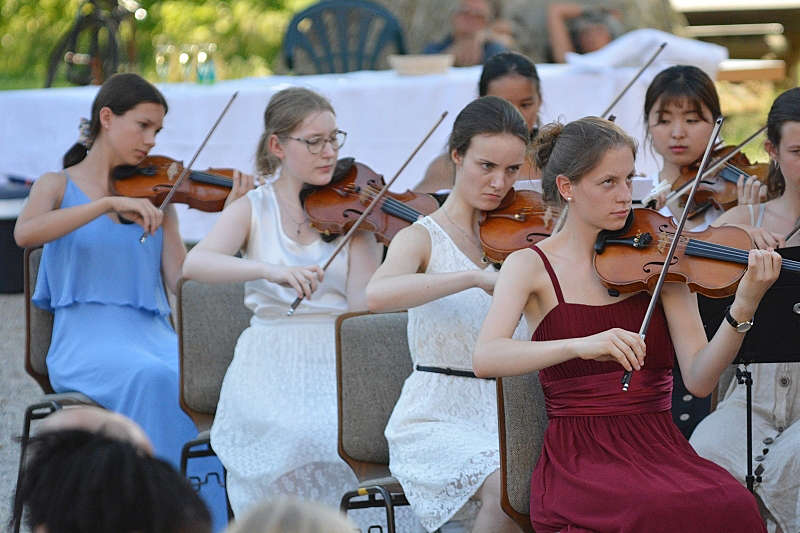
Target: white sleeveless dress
[275,427]
[442,434]
[721,436]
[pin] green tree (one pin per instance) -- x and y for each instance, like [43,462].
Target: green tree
[248,33]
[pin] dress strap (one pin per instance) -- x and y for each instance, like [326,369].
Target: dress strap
[551,273]
[761,209]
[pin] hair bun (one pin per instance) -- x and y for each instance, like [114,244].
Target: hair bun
[544,143]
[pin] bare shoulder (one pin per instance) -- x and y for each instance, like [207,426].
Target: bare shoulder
[410,250]
[527,267]
[414,238]
[49,183]
[48,191]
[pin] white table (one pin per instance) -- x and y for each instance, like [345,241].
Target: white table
[385,116]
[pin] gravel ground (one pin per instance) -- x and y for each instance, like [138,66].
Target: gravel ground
[18,390]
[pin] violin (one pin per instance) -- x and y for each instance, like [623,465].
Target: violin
[521,220]
[154,177]
[720,189]
[334,208]
[710,262]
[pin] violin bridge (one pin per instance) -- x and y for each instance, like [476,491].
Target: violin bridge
[172,171]
[663,242]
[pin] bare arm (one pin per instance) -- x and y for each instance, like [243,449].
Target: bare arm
[400,282]
[703,361]
[364,258]
[739,217]
[520,287]
[173,251]
[213,261]
[439,175]
[42,220]
[557,16]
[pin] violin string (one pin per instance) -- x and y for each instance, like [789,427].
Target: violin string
[723,252]
[406,210]
[389,205]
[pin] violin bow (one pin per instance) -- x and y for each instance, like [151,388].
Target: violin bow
[630,83]
[375,200]
[626,378]
[188,167]
[716,165]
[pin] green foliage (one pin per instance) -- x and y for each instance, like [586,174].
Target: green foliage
[248,34]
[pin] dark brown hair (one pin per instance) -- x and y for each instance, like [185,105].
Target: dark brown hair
[574,149]
[785,108]
[679,83]
[120,93]
[507,64]
[487,115]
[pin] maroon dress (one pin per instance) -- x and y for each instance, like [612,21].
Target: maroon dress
[614,461]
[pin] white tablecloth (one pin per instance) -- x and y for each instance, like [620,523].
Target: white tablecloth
[385,115]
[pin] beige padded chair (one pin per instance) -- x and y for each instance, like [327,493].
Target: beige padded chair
[38,331]
[522,420]
[372,362]
[210,318]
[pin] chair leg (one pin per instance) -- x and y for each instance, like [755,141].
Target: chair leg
[187,453]
[388,503]
[33,412]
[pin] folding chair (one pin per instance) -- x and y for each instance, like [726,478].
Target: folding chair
[38,331]
[342,36]
[210,318]
[522,420]
[372,362]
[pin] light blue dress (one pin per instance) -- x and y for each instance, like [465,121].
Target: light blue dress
[112,339]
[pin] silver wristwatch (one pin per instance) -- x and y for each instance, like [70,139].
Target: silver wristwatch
[741,327]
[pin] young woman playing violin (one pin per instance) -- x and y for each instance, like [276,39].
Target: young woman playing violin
[275,426]
[442,435]
[680,107]
[511,76]
[612,461]
[112,339]
[776,386]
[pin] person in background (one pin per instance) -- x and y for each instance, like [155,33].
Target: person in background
[581,29]
[510,76]
[98,420]
[79,481]
[720,436]
[469,40]
[290,515]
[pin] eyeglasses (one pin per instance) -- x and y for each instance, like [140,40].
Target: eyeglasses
[315,145]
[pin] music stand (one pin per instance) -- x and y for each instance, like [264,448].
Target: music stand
[775,325]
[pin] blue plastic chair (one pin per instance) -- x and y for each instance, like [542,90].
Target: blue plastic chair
[324,32]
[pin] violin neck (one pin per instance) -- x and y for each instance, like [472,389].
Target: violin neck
[400,210]
[732,174]
[720,252]
[211,179]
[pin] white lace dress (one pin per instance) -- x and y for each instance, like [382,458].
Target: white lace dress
[442,434]
[721,436]
[275,426]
